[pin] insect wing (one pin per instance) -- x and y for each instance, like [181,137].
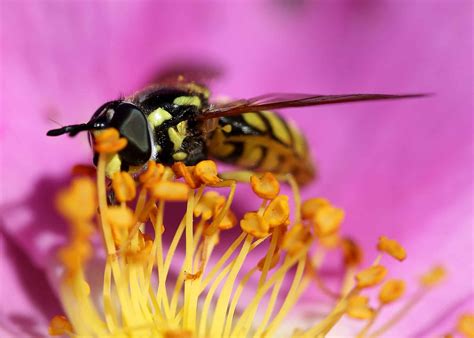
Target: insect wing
[278,101]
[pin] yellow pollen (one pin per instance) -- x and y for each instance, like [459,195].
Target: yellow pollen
[124,186]
[391,247]
[266,186]
[121,220]
[391,291]
[82,192]
[358,308]
[371,276]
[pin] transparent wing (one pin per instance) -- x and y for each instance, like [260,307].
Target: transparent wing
[278,101]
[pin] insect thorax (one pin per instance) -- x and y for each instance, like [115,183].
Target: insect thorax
[171,111]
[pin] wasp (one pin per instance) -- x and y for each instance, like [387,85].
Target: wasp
[178,122]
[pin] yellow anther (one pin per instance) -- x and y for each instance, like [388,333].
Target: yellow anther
[228,222]
[206,172]
[83,170]
[327,220]
[295,239]
[187,173]
[465,324]
[391,247]
[273,263]
[142,253]
[153,173]
[277,212]
[309,207]
[331,241]
[170,191]
[358,307]
[266,186]
[121,220]
[371,276]
[124,186]
[178,334]
[108,141]
[391,291]
[209,204]
[74,255]
[433,277]
[59,326]
[352,252]
[78,203]
[255,225]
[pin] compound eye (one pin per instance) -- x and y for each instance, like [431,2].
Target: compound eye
[132,124]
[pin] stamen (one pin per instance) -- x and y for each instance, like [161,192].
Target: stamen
[391,291]
[266,186]
[371,276]
[392,247]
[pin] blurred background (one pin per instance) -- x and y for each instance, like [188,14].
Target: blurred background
[398,168]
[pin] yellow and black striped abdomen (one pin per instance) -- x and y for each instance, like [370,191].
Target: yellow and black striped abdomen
[262,141]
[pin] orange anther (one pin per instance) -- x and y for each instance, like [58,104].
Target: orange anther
[266,186]
[371,276]
[295,239]
[351,251]
[59,326]
[78,203]
[206,172]
[170,191]
[153,172]
[255,225]
[209,204]
[121,220]
[187,173]
[465,324]
[178,334]
[108,141]
[327,220]
[309,207]
[277,212]
[392,247]
[391,291]
[434,276]
[84,170]
[228,222]
[358,307]
[124,186]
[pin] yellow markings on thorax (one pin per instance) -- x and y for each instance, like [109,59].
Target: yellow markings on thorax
[278,127]
[178,134]
[188,101]
[255,121]
[113,165]
[158,116]
[217,145]
[180,156]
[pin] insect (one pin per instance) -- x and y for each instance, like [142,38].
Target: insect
[178,122]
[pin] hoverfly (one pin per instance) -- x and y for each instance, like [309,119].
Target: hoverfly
[176,122]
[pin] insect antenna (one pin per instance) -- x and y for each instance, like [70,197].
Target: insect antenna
[72,130]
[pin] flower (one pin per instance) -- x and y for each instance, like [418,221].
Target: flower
[402,169]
